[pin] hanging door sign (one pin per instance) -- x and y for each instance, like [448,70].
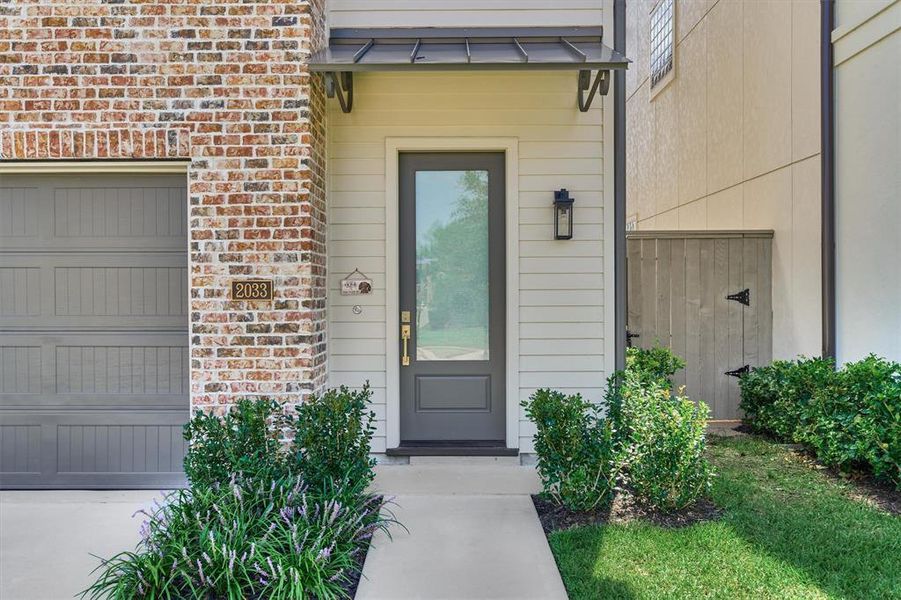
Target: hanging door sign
[356,284]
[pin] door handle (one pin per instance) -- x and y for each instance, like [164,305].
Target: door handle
[405,336]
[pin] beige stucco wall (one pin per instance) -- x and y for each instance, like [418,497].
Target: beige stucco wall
[867,45]
[733,141]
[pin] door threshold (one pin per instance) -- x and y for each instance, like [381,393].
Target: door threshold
[453,448]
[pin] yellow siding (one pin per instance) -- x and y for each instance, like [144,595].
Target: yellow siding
[561,283]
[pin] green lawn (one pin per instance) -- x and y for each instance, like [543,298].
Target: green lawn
[788,532]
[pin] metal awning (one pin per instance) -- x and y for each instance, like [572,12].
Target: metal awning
[579,49]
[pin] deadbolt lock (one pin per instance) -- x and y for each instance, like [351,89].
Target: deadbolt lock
[404,316]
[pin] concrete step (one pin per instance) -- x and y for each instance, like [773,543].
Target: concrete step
[483,461]
[456,478]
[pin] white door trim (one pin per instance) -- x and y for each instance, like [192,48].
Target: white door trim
[393,147]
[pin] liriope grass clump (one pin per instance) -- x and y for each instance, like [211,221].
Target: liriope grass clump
[277,507]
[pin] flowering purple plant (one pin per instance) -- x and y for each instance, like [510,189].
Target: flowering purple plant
[263,518]
[258,542]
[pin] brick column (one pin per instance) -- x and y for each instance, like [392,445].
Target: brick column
[225,85]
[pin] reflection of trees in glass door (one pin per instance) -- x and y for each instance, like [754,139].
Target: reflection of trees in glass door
[452,265]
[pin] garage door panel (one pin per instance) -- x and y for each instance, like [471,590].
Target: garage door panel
[20,291]
[19,213]
[127,369]
[20,448]
[94,380]
[94,401]
[175,337]
[93,213]
[132,291]
[125,244]
[121,370]
[53,259]
[143,290]
[20,370]
[97,448]
[101,323]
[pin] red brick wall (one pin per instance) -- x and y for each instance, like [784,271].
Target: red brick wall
[224,84]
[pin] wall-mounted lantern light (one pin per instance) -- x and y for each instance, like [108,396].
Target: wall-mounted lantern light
[563,215]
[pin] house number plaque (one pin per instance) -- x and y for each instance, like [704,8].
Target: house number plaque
[252,289]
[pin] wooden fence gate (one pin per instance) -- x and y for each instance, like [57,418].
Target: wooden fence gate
[708,296]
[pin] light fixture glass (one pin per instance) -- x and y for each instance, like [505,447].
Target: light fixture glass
[563,215]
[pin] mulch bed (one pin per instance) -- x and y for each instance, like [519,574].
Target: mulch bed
[352,585]
[359,560]
[745,428]
[623,509]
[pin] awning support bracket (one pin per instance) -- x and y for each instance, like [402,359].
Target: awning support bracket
[341,86]
[600,86]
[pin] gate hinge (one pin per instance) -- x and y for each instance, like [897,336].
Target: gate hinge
[739,371]
[742,297]
[630,336]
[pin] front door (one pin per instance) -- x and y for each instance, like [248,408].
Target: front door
[452,298]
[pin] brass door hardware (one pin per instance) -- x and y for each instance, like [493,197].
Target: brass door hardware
[404,316]
[405,336]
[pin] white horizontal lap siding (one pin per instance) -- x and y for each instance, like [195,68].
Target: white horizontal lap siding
[463,13]
[561,287]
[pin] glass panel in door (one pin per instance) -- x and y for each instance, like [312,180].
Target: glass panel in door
[452,308]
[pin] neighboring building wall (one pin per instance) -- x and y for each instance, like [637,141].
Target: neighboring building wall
[733,142]
[867,47]
[463,13]
[562,292]
[224,85]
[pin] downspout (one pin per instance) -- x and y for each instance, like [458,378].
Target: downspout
[827,173]
[619,184]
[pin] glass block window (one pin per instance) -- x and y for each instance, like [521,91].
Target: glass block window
[663,42]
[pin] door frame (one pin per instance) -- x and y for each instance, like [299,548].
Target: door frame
[393,147]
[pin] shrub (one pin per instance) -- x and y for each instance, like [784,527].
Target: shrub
[855,419]
[663,443]
[244,440]
[849,418]
[574,448]
[656,441]
[655,363]
[333,439]
[250,538]
[774,398]
[277,507]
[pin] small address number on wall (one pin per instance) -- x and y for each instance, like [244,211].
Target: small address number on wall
[252,289]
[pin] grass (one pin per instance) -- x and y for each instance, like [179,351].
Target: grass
[461,337]
[788,532]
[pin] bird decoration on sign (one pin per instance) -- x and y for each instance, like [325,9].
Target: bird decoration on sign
[356,284]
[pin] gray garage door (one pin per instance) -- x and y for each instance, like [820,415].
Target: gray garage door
[93,330]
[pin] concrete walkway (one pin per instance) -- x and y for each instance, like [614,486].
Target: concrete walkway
[47,538]
[473,534]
